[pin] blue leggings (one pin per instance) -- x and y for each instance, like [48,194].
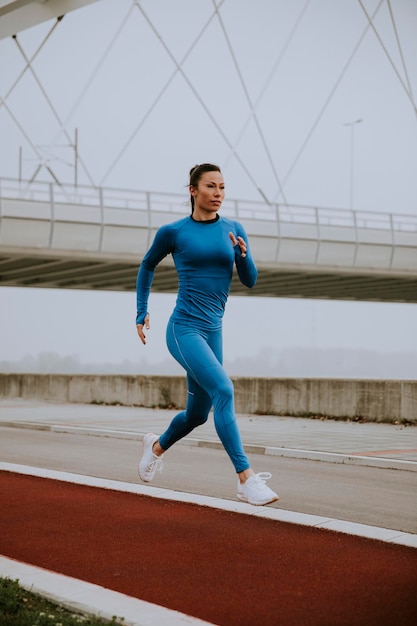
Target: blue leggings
[200,353]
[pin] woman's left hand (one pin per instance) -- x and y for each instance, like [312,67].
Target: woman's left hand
[238,242]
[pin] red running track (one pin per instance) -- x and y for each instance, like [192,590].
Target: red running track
[223,567]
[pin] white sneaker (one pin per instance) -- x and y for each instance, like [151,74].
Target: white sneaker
[150,463]
[255,491]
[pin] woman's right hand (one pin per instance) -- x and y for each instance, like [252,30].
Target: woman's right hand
[139,328]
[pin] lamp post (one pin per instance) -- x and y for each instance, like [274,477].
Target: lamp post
[352,156]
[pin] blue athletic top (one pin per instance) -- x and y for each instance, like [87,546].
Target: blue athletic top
[204,257]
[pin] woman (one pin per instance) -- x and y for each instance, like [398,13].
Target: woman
[205,248]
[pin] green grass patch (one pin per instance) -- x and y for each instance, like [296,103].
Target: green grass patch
[19,607]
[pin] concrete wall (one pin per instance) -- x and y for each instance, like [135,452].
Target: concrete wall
[371,400]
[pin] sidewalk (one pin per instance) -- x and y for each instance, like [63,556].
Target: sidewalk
[371,444]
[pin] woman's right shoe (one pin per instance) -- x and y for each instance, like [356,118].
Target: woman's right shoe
[150,463]
[255,491]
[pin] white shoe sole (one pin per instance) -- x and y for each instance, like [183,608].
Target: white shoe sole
[272,499]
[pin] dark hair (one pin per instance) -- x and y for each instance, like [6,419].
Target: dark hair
[195,174]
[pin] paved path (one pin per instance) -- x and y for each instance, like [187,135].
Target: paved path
[371,444]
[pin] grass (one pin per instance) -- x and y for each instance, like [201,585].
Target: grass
[19,607]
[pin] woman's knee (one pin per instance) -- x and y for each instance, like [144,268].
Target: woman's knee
[197,419]
[198,408]
[225,388]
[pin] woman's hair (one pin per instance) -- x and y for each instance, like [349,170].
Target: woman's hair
[195,174]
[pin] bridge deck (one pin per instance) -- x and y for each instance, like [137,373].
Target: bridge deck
[94,238]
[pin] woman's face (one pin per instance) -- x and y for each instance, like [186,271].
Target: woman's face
[209,193]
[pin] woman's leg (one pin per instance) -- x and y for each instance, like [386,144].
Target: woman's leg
[200,354]
[195,414]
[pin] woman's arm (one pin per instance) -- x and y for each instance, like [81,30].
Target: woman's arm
[245,265]
[160,248]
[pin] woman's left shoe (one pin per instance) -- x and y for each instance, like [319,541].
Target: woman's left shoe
[150,463]
[255,491]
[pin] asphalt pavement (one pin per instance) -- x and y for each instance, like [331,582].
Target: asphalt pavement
[390,446]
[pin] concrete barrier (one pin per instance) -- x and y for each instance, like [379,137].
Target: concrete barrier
[370,400]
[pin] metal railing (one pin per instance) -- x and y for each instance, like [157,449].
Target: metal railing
[136,200]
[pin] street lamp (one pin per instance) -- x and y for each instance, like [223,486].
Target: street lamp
[352,154]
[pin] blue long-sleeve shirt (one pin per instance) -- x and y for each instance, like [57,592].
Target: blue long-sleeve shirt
[204,257]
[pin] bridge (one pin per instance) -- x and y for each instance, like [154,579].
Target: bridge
[58,235]
[16,15]
[79,237]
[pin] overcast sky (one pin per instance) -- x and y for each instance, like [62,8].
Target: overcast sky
[266,90]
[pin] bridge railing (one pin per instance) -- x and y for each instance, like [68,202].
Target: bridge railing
[280,233]
[83,195]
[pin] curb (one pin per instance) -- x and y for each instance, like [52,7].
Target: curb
[292,453]
[86,598]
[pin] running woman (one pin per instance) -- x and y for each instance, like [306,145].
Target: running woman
[205,247]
